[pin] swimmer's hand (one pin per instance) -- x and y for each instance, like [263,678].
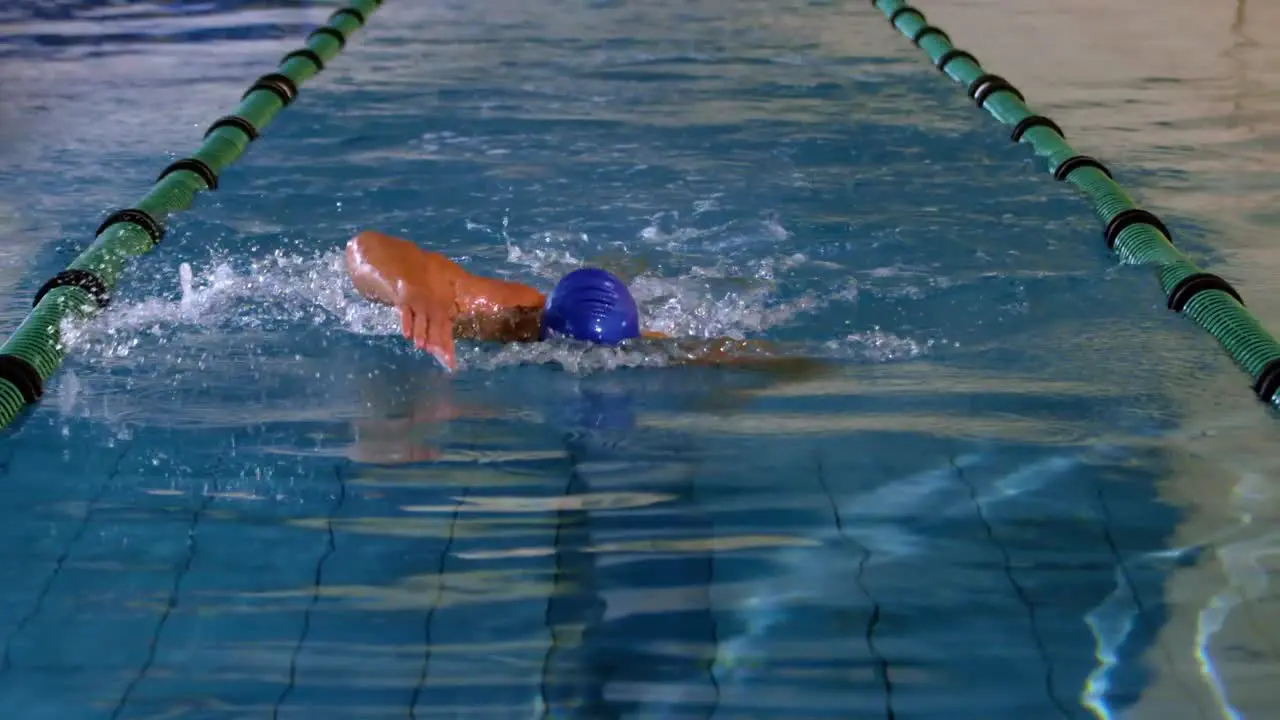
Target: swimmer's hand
[426,319]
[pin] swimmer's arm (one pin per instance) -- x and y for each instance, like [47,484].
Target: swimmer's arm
[765,359]
[386,269]
[437,298]
[755,355]
[724,351]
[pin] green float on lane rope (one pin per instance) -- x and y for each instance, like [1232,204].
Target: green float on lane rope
[1138,236]
[34,352]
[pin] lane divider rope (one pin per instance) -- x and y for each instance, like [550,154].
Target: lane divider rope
[1135,234]
[34,351]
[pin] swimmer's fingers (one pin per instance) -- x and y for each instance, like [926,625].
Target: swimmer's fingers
[406,322]
[433,332]
[420,325]
[429,328]
[439,341]
[413,325]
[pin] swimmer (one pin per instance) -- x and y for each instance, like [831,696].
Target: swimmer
[439,301]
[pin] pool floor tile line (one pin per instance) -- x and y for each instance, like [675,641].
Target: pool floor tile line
[688,478]
[171,603]
[331,547]
[1124,576]
[424,673]
[6,660]
[582,657]
[873,620]
[563,608]
[1019,591]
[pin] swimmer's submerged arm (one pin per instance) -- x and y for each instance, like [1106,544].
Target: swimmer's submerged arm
[437,299]
[757,355]
[764,359]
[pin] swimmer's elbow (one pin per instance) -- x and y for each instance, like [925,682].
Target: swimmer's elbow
[369,269]
[364,243]
[353,254]
[366,255]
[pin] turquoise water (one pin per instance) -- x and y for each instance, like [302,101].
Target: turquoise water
[1015,486]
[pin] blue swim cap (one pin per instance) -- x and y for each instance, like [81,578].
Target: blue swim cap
[593,305]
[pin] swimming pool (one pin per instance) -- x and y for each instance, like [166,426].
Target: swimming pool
[1021,489]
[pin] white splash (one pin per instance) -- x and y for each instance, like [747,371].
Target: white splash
[224,303]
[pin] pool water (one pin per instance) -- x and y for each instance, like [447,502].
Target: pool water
[1000,479]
